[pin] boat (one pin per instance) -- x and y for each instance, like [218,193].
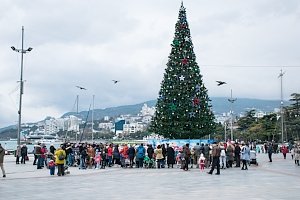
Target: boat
[46,139]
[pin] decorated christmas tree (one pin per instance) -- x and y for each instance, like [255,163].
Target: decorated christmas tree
[183,108]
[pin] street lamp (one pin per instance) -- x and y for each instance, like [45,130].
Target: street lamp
[281,103]
[22,51]
[231,100]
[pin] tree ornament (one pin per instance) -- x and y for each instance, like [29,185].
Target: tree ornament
[181,78]
[196,101]
[184,61]
[197,88]
[172,107]
[187,39]
[176,42]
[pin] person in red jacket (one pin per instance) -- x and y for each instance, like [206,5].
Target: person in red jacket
[284,151]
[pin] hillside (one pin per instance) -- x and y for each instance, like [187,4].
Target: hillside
[220,105]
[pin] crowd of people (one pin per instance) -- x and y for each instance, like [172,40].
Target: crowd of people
[99,156]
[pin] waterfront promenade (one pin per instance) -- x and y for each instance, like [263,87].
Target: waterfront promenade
[277,180]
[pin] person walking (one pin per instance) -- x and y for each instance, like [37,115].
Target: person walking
[2,153]
[215,159]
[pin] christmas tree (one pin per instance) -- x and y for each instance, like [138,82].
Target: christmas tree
[183,108]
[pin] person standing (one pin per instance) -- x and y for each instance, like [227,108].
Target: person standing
[18,154]
[230,154]
[2,153]
[140,154]
[23,153]
[52,149]
[159,156]
[297,154]
[270,151]
[237,152]
[131,155]
[215,159]
[186,157]
[206,150]
[245,155]
[60,156]
[223,162]
[197,150]
[284,151]
[150,151]
[170,156]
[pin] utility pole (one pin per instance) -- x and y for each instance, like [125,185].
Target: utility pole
[231,100]
[93,119]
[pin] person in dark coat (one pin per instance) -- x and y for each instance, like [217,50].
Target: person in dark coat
[270,151]
[150,151]
[23,153]
[116,155]
[131,154]
[237,152]
[52,149]
[170,156]
[164,152]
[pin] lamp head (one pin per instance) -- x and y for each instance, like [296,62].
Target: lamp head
[29,49]
[13,48]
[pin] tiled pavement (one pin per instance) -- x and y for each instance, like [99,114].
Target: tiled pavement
[277,180]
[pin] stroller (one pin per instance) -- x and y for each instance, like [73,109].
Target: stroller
[253,159]
[149,162]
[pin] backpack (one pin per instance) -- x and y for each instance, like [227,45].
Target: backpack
[61,156]
[141,151]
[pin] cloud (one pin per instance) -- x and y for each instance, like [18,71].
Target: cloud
[89,43]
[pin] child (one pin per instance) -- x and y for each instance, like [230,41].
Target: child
[97,159]
[201,162]
[51,166]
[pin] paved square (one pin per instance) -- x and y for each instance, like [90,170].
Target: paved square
[277,180]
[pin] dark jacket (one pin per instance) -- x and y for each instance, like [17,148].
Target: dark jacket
[131,152]
[150,152]
[170,155]
[24,150]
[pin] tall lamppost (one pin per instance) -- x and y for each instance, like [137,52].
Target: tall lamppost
[281,103]
[22,51]
[231,100]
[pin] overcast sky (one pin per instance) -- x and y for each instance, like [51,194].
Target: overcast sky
[90,43]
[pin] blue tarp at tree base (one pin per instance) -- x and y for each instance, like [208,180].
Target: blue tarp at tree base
[178,142]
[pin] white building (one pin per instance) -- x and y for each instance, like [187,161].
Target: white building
[106,125]
[50,126]
[133,127]
[147,111]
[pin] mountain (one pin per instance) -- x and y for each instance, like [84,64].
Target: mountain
[219,105]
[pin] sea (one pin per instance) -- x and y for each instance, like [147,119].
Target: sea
[12,145]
